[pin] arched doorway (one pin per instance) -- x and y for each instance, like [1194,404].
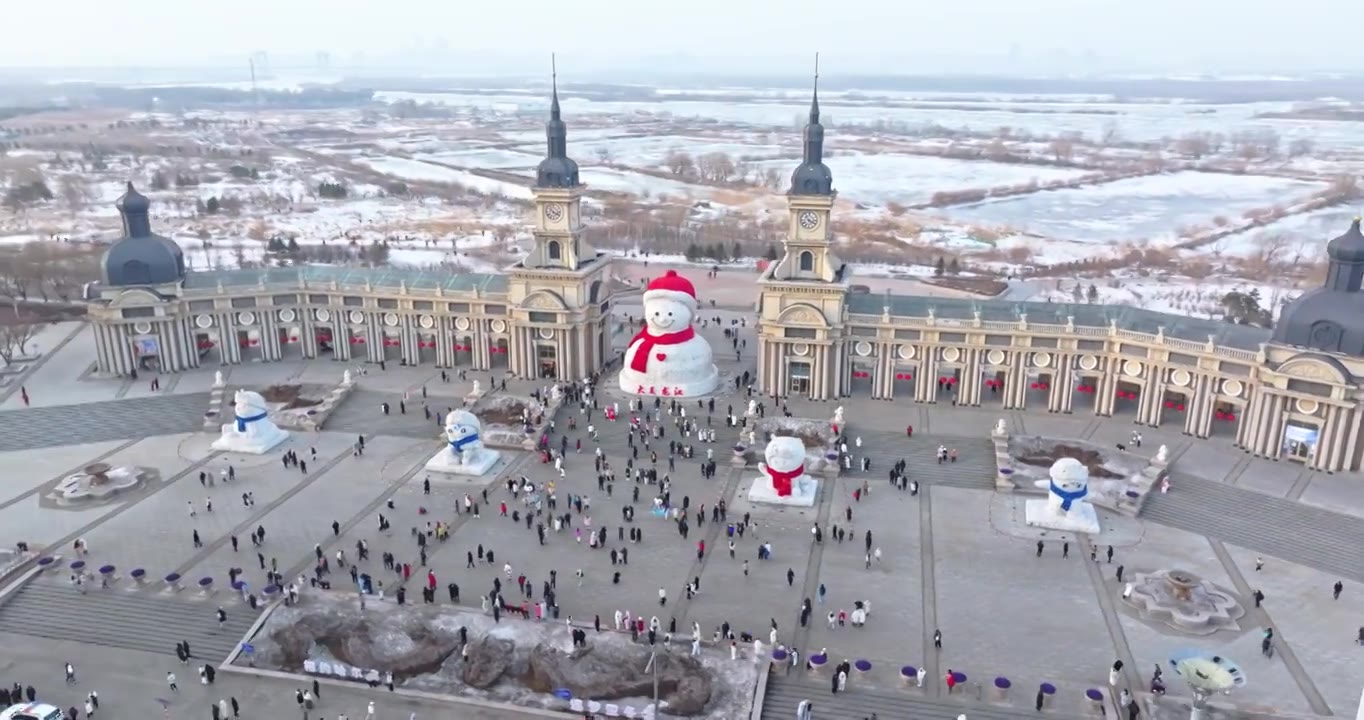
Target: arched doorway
[206,344]
[1127,398]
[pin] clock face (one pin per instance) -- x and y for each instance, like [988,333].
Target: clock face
[554,212]
[809,220]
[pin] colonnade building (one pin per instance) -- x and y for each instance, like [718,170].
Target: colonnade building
[546,316]
[1293,393]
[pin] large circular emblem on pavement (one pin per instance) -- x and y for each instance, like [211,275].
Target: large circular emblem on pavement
[1041,359]
[862,348]
[545,334]
[1308,407]
[995,357]
[1181,378]
[801,349]
[204,321]
[357,317]
[951,354]
[391,319]
[142,327]
[497,326]
[1089,362]
[246,318]
[426,321]
[1232,388]
[287,315]
[461,323]
[1131,368]
[906,352]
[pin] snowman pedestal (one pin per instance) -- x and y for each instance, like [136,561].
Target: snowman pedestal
[1081,518]
[251,431]
[668,358]
[804,491]
[449,462]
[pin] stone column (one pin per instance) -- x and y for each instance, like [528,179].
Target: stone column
[1326,447]
[1352,439]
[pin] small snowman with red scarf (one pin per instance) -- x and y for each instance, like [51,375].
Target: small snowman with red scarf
[668,358]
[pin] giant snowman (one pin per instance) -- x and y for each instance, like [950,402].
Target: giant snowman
[464,453]
[1065,508]
[667,358]
[783,480]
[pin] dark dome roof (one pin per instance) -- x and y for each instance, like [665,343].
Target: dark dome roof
[1349,247]
[557,172]
[141,257]
[1324,319]
[812,179]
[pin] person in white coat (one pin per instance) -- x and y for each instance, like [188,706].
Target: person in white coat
[804,710]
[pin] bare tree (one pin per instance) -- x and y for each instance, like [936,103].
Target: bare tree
[603,154]
[13,338]
[1062,150]
[1300,147]
[75,191]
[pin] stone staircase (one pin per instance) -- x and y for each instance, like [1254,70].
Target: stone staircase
[1328,541]
[785,693]
[143,620]
[974,468]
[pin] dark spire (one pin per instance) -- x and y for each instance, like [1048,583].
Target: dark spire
[134,208]
[814,98]
[812,177]
[1345,271]
[556,170]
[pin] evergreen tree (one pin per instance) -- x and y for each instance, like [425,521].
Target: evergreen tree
[738,251]
[212,206]
[293,245]
[954,267]
[940,267]
[1092,294]
[693,252]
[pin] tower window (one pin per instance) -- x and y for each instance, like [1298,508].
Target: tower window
[807,261]
[136,272]
[555,252]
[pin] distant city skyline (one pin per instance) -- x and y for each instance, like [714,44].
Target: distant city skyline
[712,37]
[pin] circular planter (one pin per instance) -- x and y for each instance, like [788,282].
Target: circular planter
[1006,471]
[238,585]
[138,575]
[1047,689]
[862,666]
[1133,494]
[960,678]
[205,582]
[908,674]
[270,590]
[739,449]
[831,456]
[46,562]
[173,579]
[107,570]
[1094,695]
[78,565]
[1002,686]
[780,655]
[818,661]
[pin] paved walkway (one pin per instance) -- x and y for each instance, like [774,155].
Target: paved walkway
[96,422]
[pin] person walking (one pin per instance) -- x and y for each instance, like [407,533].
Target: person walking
[70,674]
[170,680]
[805,710]
[369,711]
[1039,548]
[1037,704]
[937,639]
[1337,589]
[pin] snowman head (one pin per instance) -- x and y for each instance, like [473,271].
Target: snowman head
[247,403]
[669,303]
[785,454]
[1069,474]
[460,424]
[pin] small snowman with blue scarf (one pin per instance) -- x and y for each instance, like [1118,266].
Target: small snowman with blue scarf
[461,431]
[1067,488]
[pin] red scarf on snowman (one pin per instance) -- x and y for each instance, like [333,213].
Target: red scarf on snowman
[674,287]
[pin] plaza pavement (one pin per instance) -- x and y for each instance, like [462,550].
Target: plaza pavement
[951,561]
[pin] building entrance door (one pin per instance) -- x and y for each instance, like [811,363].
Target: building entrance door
[800,379]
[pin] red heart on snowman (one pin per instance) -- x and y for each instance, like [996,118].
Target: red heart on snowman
[661,357]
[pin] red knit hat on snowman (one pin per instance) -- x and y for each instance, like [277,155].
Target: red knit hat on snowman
[671,286]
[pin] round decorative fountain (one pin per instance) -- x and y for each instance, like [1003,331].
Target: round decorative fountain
[99,482]
[1183,601]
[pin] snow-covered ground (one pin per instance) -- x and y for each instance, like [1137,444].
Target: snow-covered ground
[406,169]
[623,181]
[1307,233]
[653,151]
[1131,121]
[911,179]
[1200,298]
[488,159]
[1145,208]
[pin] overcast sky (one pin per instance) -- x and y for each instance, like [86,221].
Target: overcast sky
[855,36]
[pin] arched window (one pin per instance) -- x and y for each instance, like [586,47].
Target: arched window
[807,261]
[555,253]
[594,294]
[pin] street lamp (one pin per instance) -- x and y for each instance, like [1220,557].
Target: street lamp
[1206,675]
[652,668]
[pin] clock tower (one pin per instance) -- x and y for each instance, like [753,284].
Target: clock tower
[810,203]
[558,202]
